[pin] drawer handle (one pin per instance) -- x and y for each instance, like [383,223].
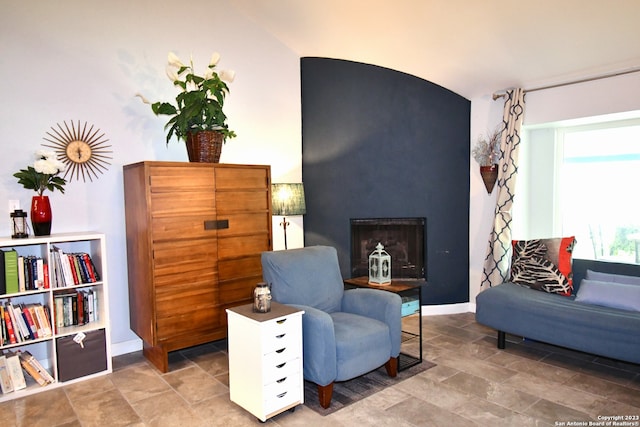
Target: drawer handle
[216,225]
[281,321]
[281,395]
[280,336]
[281,380]
[281,365]
[281,350]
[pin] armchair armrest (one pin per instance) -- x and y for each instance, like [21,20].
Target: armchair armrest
[318,345]
[380,305]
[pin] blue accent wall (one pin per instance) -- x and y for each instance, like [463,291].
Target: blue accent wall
[381,143]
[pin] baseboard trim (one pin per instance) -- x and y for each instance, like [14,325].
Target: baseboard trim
[434,310]
[125,347]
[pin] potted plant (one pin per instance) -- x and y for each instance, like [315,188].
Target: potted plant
[43,175]
[487,153]
[197,116]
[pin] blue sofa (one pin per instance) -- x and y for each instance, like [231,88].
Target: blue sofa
[561,320]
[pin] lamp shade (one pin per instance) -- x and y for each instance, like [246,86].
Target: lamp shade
[288,199]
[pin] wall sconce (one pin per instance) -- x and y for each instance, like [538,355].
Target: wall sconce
[19,224]
[379,266]
[286,200]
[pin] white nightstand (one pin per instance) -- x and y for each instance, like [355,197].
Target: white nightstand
[265,359]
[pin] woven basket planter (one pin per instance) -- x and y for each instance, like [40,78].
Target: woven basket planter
[204,146]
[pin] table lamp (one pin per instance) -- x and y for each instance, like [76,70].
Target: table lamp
[287,200]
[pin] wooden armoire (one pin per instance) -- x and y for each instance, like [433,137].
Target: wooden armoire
[195,232]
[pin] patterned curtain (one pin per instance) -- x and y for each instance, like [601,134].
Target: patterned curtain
[498,260]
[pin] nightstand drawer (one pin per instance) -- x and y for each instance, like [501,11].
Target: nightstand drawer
[282,326]
[272,373]
[276,343]
[281,394]
[281,355]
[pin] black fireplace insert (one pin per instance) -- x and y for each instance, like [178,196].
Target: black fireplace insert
[402,238]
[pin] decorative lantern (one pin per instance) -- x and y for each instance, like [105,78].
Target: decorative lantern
[19,224]
[379,266]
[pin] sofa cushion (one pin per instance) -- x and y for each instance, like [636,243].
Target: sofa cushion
[543,264]
[612,278]
[609,294]
[559,320]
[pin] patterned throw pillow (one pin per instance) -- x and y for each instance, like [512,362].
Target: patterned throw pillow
[543,264]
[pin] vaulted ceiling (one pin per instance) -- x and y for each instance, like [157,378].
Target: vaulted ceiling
[472,47]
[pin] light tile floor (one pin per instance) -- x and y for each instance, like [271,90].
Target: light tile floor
[473,384]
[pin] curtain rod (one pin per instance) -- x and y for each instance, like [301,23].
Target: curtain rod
[587,79]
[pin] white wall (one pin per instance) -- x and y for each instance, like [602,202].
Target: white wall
[607,96]
[75,60]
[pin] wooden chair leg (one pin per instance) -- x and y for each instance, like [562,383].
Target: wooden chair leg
[324,394]
[392,367]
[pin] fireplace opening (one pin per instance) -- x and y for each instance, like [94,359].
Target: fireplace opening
[402,238]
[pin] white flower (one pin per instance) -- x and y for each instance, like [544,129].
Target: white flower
[227,75]
[173,76]
[173,59]
[45,166]
[46,154]
[58,165]
[215,57]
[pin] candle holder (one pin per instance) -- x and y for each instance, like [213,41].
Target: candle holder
[19,224]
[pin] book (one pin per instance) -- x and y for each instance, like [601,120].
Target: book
[5,377]
[11,271]
[45,276]
[9,325]
[86,265]
[22,284]
[15,371]
[28,280]
[3,328]
[10,316]
[72,267]
[58,309]
[35,368]
[29,369]
[39,273]
[26,314]
[34,272]
[65,268]
[3,280]
[43,318]
[22,324]
[82,266]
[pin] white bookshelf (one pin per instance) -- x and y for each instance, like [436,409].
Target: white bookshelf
[63,358]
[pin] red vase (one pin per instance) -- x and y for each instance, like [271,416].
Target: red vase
[41,215]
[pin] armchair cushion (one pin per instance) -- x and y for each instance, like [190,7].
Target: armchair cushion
[305,276]
[362,344]
[376,304]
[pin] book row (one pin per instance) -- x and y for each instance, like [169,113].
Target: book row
[73,268]
[24,322]
[12,377]
[27,273]
[76,308]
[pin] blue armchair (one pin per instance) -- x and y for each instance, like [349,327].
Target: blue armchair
[345,333]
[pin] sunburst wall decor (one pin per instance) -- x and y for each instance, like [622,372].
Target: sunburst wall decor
[82,150]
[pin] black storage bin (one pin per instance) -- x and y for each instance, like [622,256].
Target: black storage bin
[74,361]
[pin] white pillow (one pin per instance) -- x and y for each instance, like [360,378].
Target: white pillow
[612,278]
[609,294]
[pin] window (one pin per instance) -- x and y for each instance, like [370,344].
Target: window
[590,188]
